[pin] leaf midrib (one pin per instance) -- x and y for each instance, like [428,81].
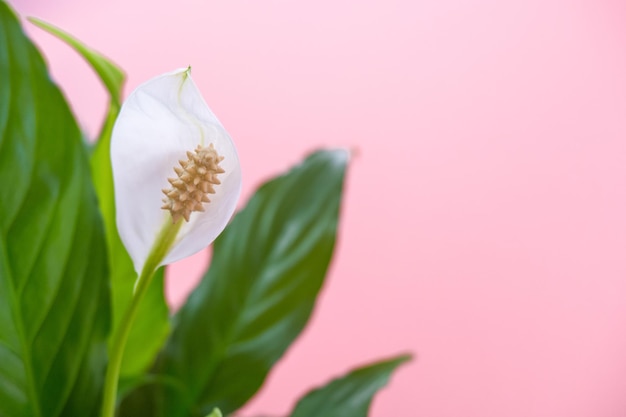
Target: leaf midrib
[75,302]
[240,320]
[19,326]
[26,354]
[222,348]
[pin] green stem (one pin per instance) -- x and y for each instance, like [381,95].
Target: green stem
[163,243]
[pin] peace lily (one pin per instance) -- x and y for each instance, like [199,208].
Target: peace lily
[177,180]
[168,145]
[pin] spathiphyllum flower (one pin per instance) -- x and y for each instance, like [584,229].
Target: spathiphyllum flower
[175,170]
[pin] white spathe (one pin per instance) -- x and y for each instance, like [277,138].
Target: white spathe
[159,122]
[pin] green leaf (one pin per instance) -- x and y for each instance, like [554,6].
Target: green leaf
[152,322]
[215,413]
[54,299]
[350,395]
[266,271]
[111,75]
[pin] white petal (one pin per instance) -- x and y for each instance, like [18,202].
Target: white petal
[159,122]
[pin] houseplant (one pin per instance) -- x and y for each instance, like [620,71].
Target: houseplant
[68,287]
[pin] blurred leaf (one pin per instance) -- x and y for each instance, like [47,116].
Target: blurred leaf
[54,299]
[350,395]
[111,75]
[152,323]
[266,271]
[216,413]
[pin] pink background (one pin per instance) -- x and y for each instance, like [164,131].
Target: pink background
[484,226]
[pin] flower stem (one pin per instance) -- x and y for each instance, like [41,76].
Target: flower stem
[163,243]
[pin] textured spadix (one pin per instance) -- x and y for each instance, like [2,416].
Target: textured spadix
[168,147]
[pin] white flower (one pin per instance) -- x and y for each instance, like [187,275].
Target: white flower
[172,162]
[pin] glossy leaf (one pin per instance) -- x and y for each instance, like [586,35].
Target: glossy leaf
[54,299]
[152,323]
[350,395]
[266,271]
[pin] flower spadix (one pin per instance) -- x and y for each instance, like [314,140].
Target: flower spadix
[173,162]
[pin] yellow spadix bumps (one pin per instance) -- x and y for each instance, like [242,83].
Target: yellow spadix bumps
[195,180]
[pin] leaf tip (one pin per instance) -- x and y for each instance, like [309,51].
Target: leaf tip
[404,358]
[215,413]
[397,360]
[37,22]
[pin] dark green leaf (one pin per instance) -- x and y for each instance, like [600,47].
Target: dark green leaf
[54,299]
[152,321]
[266,271]
[350,395]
